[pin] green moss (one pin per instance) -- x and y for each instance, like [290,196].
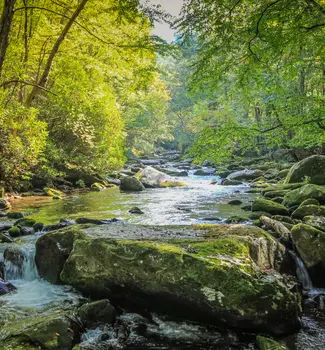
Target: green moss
[52,192]
[172,184]
[25,222]
[269,206]
[15,215]
[14,231]
[264,343]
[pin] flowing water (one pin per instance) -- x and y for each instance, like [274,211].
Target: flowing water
[198,202]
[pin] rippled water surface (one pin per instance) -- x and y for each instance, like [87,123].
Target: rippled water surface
[199,201]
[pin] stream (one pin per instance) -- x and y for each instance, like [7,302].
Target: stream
[198,202]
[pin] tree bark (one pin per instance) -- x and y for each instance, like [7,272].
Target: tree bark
[45,75]
[5,25]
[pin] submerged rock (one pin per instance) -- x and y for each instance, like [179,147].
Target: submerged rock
[311,168]
[153,178]
[222,278]
[131,183]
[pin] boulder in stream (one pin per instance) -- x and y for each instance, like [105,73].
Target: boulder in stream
[299,195]
[311,168]
[6,287]
[223,275]
[310,243]
[94,313]
[50,332]
[268,206]
[52,250]
[131,183]
[245,175]
[152,178]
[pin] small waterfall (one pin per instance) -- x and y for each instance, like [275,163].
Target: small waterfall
[302,273]
[23,268]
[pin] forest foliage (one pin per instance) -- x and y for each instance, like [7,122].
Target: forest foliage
[78,82]
[83,83]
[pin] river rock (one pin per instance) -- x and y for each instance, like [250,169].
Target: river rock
[303,193]
[265,343]
[268,206]
[312,168]
[4,204]
[52,250]
[136,210]
[308,210]
[310,243]
[131,183]
[315,221]
[15,256]
[15,215]
[224,278]
[6,287]
[152,178]
[245,175]
[5,238]
[97,312]
[54,332]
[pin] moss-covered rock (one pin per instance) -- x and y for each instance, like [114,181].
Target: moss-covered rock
[53,249]
[217,279]
[308,210]
[310,243]
[97,186]
[265,343]
[131,183]
[97,312]
[15,215]
[53,332]
[4,204]
[269,206]
[276,193]
[52,192]
[311,168]
[310,201]
[25,222]
[315,221]
[14,231]
[299,195]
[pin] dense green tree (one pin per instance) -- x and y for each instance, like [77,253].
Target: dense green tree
[264,61]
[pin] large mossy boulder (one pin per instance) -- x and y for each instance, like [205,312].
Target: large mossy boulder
[268,206]
[310,243]
[53,249]
[311,168]
[131,183]
[223,278]
[54,332]
[297,196]
[315,221]
[308,210]
[153,178]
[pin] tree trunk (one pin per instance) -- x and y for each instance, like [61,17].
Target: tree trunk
[5,24]
[44,77]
